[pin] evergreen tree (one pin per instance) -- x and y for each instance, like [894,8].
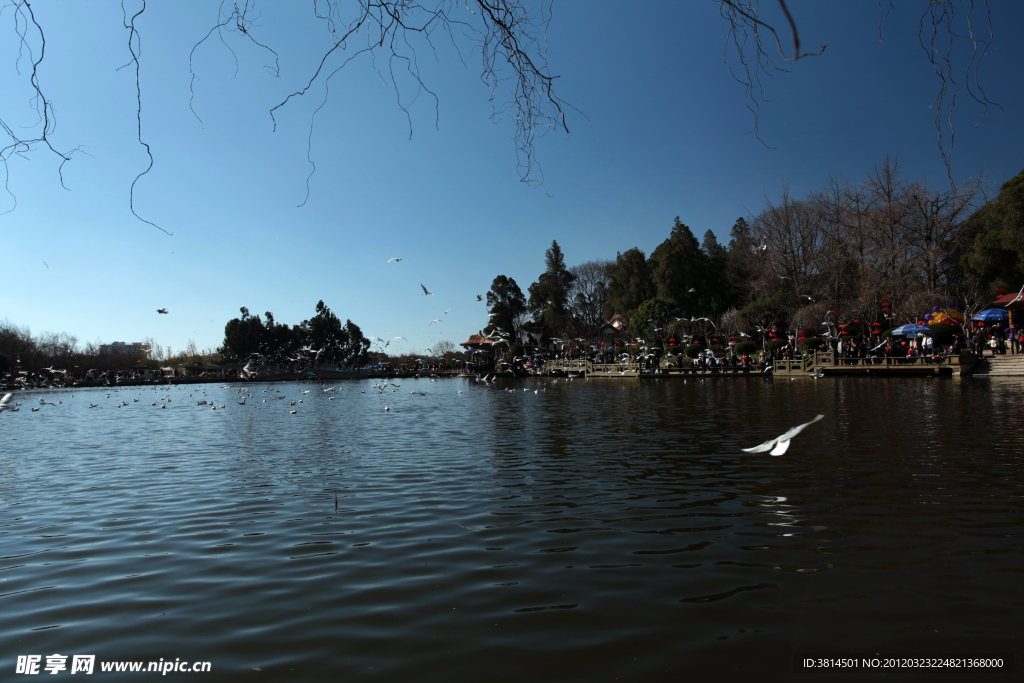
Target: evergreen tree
[355,350]
[326,336]
[243,337]
[740,266]
[717,291]
[651,318]
[630,282]
[997,256]
[549,295]
[506,304]
[680,270]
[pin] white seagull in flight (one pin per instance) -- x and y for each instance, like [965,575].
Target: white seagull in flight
[395,260]
[425,292]
[780,444]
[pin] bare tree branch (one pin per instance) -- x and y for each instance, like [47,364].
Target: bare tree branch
[134,34]
[24,18]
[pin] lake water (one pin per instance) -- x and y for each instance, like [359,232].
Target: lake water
[576,531]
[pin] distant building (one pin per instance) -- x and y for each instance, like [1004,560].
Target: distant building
[121,347]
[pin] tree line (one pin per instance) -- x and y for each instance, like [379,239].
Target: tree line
[21,349]
[320,339]
[837,255]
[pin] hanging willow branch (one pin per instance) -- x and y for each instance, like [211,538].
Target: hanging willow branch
[29,34]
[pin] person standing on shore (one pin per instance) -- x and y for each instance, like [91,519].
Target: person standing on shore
[957,345]
[1000,339]
[1013,335]
[978,341]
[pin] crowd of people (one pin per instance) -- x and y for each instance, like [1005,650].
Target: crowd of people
[996,338]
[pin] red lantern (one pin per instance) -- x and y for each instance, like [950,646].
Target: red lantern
[672,341]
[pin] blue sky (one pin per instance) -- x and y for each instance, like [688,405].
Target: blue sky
[662,131]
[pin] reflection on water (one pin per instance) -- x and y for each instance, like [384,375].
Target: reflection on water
[583,530]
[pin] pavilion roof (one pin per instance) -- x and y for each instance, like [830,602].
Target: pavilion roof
[1010,301]
[617,325]
[478,342]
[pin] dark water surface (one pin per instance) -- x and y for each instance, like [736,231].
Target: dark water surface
[592,531]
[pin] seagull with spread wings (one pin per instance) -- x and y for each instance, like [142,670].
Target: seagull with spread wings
[396,260]
[780,444]
[425,292]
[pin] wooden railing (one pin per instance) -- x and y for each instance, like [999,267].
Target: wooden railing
[568,366]
[803,365]
[618,369]
[589,368]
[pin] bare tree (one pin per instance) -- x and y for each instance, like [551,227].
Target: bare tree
[443,348]
[794,236]
[588,293]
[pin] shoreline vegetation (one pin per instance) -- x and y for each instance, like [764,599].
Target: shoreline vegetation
[848,260]
[858,257]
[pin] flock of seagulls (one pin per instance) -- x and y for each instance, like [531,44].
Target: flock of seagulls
[776,446]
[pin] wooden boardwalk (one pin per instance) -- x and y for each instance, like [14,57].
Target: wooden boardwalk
[817,364]
[635,370]
[828,365]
